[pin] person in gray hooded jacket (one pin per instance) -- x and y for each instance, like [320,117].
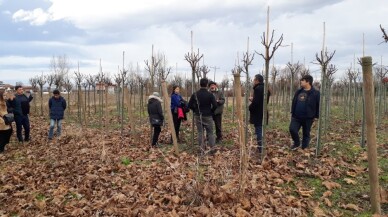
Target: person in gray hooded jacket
[217,115]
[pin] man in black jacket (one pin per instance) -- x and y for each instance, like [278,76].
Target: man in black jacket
[203,105]
[256,108]
[304,110]
[21,110]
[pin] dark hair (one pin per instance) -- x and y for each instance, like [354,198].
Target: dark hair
[55,92]
[173,88]
[17,87]
[308,79]
[203,82]
[212,82]
[260,78]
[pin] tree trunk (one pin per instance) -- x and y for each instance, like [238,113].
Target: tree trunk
[371,134]
[240,121]
[169,118]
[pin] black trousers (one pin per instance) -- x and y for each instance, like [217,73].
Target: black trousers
[177,124]
[5,135]
[218,124]
[22,121]
[155,137]
[295,126]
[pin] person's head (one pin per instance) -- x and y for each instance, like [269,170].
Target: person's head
[19,89]
[306,81]
[175,89]
[258,79]
[213,86]
[203,82]
[56,93]
[156,94]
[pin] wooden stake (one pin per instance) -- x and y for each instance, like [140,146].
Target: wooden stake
[240,121]
[169,117]
[371,133]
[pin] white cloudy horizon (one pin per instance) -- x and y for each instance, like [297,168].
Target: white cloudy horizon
[87,31]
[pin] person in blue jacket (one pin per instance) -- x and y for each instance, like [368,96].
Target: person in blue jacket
[57,107]
[177,102]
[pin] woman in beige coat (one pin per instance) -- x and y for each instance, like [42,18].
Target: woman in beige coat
[5,130]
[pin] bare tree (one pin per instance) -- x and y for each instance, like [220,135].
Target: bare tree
[178,80]
[78,81]
[204,71]
[41,80]
[151,68]
[50,81]
[323,60]
[33,81]
[267,42]
[294,69]
[381,73]
[247,61]
[385,36]
[60,67]
[68,85]
[193,59]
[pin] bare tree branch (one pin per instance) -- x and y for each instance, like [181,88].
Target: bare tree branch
[385,36]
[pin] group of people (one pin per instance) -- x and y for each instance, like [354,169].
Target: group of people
[207,105]
[18,104]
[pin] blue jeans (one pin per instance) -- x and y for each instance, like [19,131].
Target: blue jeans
[295,126]
[52,125]
[22,121]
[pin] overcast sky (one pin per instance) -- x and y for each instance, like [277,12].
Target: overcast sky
[32,31]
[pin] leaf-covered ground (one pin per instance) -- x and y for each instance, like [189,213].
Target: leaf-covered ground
[98,172]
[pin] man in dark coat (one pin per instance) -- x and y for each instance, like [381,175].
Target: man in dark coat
[155,113]
[57,107]
[256,108]
[203,105]
[304,110]
[21,109]
[217,116]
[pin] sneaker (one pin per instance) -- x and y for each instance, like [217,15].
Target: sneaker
[295,147]
[212,152]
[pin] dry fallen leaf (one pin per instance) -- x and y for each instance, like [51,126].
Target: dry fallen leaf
[327,194]
[351,206]
[331,185]
[327,202]
[318,212]
[350,181]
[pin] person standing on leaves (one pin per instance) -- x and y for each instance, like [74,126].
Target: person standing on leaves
[21,109]
[177,106]
[203,104]
[5,129]
[304,110]
[155,114]
[57,107]
[217,116]
[256,108]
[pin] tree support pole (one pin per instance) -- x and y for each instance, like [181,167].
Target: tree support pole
[371,133]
